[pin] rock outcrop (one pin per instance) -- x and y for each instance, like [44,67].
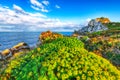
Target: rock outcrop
[5,54]
[20,47]
[93,26]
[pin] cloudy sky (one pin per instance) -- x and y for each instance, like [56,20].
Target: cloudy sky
[56,15]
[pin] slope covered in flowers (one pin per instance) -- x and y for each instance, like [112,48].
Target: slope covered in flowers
[63,58]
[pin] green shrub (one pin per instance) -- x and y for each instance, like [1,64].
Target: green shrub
[84,38]
[63,59]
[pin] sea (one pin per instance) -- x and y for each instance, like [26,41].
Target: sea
[9,39]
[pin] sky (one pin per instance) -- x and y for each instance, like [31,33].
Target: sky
[55,15]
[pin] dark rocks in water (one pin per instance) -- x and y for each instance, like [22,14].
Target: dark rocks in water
[93,26]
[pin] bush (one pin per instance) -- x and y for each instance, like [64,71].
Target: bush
[48,36]
[63,59]
[85,38]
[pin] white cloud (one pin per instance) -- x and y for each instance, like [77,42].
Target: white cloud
[35,4]
[17,7]
[45,2]
[20,20]
[44,10]
[57,6]
[88,19]
[36,8]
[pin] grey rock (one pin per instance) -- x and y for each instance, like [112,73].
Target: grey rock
[93,26]
[116,51]
[2,57]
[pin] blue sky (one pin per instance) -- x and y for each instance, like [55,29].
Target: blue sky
[57,15]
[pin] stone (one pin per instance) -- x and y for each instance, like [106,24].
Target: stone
[1,56]
[21,45]
[8,53]
[5,52]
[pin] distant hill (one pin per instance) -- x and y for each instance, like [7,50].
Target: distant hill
[103,20]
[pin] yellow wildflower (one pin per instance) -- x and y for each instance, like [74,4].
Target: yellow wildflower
[38,49]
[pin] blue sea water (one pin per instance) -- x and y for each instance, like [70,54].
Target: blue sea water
[9,39]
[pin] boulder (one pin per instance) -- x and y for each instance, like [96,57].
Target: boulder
[20,47]
[2,57]
[7,53]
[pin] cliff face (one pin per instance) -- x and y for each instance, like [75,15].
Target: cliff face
[93,26]
[103,20]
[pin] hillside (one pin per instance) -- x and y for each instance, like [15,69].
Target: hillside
[63,58]
[113,25]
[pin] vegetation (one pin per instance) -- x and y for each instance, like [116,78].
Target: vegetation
[105,43]
[105,46]
[48,36]
[103,20]
[113,25]
[63,58]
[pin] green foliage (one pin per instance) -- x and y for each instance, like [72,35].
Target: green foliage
[97,33]
[84,38]
[108,48]
[64,58]
[113,25]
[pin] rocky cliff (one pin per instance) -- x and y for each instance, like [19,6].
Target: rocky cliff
[93,26]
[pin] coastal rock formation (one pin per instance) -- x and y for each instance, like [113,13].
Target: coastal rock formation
[21,47]
[5,54]
[103,20]
[93,26]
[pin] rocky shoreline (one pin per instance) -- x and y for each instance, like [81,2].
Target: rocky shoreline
[7,53]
